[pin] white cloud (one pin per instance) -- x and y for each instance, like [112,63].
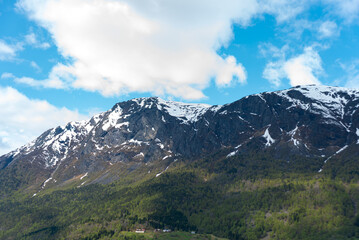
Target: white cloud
[7,75]
[328,29]
[23,119]
[59,78]
[303,69]
[274,73]
[7,51]
[163,47]
[351,76]
[284,10]
[346,9]
[32,40]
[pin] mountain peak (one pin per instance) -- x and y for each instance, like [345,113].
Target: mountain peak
[186,112]
[323,93]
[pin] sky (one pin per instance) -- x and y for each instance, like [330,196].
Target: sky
[65,60]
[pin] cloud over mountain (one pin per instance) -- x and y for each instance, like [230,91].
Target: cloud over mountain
[23,119]
[138,46]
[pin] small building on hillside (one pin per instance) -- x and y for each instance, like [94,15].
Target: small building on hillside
[140,230]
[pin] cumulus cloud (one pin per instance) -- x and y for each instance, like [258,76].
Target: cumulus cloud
[23,119]
[163,47]
[303,69]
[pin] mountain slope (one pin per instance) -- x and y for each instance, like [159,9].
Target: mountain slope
[309,121]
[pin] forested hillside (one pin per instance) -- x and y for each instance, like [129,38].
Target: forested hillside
[235,198]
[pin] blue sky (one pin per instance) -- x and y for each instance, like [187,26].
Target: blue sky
[65,60]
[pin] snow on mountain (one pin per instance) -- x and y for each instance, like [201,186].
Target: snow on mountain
[269,139]
[330,101]
[310,120]
[56,143]
[185,112]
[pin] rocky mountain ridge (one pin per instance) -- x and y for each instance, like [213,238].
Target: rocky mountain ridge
[309,121]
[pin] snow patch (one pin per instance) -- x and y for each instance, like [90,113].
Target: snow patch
[140,155]
[46,181]
[240,145]
[232,154]
[120,125]
[337,152]
[159,174]
[329,102]
[215,108]
[268,138]
[85,175]
[185,112]
[135,141]
[291,134]
[112,118]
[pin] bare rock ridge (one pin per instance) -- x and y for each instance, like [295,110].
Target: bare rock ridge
[311,121]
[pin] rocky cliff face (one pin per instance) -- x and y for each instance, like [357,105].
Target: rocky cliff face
[311,121]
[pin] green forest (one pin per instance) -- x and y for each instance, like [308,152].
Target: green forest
[252,196]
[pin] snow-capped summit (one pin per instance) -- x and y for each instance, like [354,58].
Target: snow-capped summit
[318,98]
[186,112]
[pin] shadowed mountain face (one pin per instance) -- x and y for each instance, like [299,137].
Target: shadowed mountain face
[313,122]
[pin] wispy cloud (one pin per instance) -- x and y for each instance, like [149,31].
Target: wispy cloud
[328,29]
[348,10]
[34,65]
[59,78]
[32,40]
[7,51]
[351,73]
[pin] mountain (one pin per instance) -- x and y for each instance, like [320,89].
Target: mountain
[309,121]
[274,165]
